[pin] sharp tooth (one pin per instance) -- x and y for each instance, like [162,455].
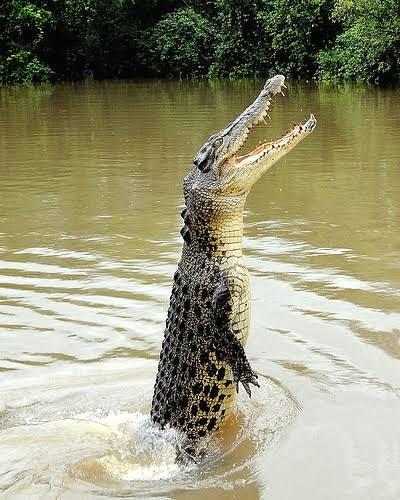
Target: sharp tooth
[264,121]
[281,92]
[268,116]
[284,86]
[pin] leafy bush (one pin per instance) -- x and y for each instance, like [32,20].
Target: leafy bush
[22,67]
[181,44]
[23,27]
[237,39]
[369,47]
[296,30]
[261,37]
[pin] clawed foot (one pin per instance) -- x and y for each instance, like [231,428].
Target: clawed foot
[250,378]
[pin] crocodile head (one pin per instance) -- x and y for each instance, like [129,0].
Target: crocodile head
[225,174]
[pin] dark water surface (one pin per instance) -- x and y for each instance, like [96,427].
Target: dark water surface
[90,194]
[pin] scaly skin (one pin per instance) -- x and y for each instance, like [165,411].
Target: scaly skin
[202,359]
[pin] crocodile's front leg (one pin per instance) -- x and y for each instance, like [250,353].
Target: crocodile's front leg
[231,303]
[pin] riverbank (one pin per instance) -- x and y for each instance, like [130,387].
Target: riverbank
[97,39]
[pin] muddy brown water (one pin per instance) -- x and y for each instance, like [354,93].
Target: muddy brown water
[90,194]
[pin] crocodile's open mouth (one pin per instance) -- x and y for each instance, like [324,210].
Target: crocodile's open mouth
[290,139]
[239,172]
[219,152]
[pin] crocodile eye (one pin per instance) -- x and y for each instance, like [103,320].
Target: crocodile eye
[218,143]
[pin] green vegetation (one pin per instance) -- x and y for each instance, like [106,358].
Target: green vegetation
[367,47]
[42,40]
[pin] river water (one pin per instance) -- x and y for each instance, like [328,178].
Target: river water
[90,195]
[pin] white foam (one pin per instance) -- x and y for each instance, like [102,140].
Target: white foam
[143,451]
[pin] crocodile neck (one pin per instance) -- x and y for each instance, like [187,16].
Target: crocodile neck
[219,240]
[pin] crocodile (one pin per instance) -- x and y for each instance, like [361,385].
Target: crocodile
[202,360]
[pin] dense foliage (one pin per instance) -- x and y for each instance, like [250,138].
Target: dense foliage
[367,48]
[44,40]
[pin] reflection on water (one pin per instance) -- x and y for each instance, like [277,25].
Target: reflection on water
[90,190]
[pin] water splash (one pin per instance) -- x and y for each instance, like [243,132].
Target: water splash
[141,451]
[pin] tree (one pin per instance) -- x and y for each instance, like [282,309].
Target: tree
[181,44]
[368,48]
[23,28]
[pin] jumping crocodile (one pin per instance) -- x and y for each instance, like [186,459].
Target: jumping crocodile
[202,360]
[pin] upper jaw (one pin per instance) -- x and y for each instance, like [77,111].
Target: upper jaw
[236,133]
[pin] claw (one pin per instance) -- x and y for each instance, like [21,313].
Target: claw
[251,380]
[247,388]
